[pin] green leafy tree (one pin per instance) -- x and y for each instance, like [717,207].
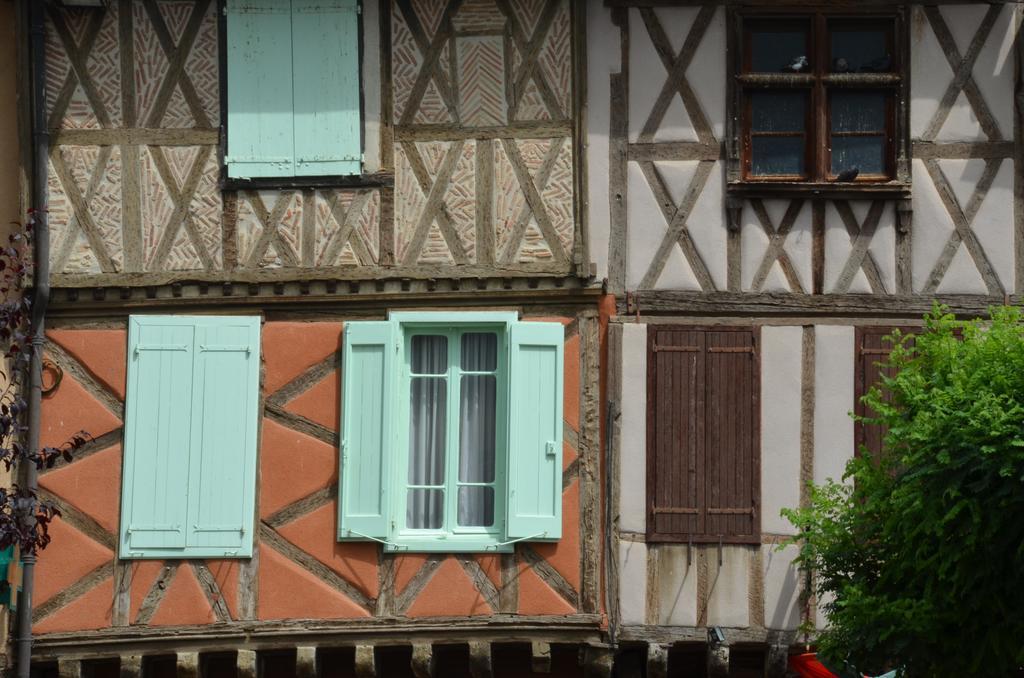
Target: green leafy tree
[919,554]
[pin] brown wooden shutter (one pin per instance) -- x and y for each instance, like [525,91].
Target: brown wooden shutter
[703,429]
[872,348]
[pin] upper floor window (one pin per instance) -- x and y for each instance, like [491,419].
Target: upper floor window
[820,98]
[293,97]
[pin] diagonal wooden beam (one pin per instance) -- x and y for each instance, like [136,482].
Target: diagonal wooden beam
[670,211]
[211,589]
[182,198]
[480,580]
[78,57]
[177,55]
[529,51]
[533,199]
[963,70]
[860,256]
[435,199]
[674,236]
[348,233]
[156,592]
[431,57]
[73,592]
[777,245]
[269,222]
[404,599]
[676,82]
[81,211]
[443,219]
[523,219]
[963,218]
[67,245]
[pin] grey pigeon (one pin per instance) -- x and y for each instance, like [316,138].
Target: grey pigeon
[841,66]
[797,65]
[848,174]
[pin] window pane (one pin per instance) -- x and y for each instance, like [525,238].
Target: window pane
[854,111]
[860,49]
[866,154]
[777,156]
[477,429]
[424,509]
[429,354]
[775,47]
[476,506]
[778,111]
[428,405]
[479,352]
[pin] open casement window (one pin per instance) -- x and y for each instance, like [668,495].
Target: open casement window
[451,432]
[293,98]
[821,101]
[703,435]
[189,477]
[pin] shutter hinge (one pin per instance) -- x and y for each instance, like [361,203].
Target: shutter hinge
[549,448]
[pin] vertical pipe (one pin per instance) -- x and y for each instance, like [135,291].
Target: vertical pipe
[40,300]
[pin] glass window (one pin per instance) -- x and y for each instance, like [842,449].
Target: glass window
[819,96]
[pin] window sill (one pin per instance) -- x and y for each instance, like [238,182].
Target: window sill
[794,189]
[450,545]
[376,180]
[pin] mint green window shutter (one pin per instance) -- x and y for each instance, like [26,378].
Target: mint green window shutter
[368,374]
[260,108]
[190,437]
[156,439]
[222,467]
[325,49]
[535,431]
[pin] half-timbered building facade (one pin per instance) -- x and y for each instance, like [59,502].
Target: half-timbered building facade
[485,337]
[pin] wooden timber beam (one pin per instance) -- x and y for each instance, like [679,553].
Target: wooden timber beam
[657,661]
[480,659]
[366,665]
[540,656]
[245,664]
[305,661]
[422,663]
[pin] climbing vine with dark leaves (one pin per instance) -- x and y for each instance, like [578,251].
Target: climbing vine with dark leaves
[24,518]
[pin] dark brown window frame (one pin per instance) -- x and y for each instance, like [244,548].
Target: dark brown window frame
[652,535]
[818,84]
[863,358]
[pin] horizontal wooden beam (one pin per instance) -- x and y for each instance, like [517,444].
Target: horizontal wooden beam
[962,150]
[795,3]
[135,136]
[669,635]
[256,636]
[532,130]
[657,302]
[675,150]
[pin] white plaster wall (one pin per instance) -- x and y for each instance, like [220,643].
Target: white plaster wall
[633,431]
[371,86]
[729,586]
[632,582]
[931,73]
[602,60]
[834,352]
[677,586]
[781,587]
[780,425]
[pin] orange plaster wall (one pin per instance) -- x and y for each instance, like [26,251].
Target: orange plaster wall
[294,466]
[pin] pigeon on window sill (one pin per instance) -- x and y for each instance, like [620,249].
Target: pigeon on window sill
[882,64]
[848,175]
[841,65]
[797,65]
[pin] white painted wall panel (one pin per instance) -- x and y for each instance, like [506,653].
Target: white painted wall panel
[780,425]
[677,600]
[781,588]
[603,57]
[834,349]
[729,586]
[632,582]
[633,439]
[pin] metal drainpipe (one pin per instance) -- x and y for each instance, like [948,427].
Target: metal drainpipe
[40,300]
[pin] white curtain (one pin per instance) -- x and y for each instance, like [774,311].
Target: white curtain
[428,415]
[477,429]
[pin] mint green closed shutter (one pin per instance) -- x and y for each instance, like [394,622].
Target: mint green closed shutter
[158,418]
[260,107]
[190,437]
[367,429]
[222,478]
[535,431]
[325,48]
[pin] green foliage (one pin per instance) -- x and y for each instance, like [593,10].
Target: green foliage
[921,551]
